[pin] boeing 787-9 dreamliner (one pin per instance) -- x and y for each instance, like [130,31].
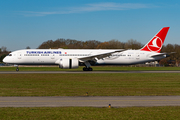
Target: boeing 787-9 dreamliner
[70,58]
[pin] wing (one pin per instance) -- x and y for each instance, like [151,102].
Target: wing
[97,56]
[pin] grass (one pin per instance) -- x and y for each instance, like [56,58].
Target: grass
[116,84]
[95,68]
[89,113]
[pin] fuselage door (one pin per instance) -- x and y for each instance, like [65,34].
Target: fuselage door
[52,56]
[19,55]
[137,56]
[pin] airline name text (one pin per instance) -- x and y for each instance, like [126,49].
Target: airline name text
[43,52]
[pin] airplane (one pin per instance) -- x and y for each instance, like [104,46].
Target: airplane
[70,58]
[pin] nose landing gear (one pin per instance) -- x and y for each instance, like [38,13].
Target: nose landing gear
[17,69]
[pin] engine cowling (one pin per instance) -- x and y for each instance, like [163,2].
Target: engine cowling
[67,63]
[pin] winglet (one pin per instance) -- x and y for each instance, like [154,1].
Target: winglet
[155,44]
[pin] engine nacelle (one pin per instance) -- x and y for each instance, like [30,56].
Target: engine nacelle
[67,63]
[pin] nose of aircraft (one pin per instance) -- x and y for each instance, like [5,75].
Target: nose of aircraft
[5,60]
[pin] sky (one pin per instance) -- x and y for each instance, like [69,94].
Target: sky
[31,22]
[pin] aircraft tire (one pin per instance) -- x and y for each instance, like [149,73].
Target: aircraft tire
[84,69]
[90,69]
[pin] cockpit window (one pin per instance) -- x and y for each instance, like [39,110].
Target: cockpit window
[10,55]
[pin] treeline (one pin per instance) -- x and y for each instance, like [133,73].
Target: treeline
[90,44]
[173,59]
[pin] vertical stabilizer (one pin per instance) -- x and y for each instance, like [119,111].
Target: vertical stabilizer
[155,44]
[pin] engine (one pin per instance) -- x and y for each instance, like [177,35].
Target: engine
[67,63]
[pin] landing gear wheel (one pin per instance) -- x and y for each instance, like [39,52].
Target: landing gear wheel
[84,69]
[90,69]
[17,69]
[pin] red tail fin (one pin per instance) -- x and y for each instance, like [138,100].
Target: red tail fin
[155,44]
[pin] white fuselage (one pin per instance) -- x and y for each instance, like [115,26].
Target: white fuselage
[50,56]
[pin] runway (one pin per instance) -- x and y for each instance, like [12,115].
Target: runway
[104,101]
[81,72]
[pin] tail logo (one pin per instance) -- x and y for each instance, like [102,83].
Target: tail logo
[155,44]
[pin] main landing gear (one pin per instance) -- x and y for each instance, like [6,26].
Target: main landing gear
[87,66]
[87,69]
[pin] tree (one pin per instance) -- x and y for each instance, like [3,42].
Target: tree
[115,44]
[177,54]
[3,49]
[3,53]
[46,45]
[112,44]
[2,57]
[163,62]
[69,44]
[28,47]
[172,57]
[104,45]
[132,44]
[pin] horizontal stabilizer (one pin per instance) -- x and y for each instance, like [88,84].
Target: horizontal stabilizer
[161,54]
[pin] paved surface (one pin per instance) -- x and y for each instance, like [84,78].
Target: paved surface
[77,72]
[115,101]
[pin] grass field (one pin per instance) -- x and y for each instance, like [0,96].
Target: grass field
[115,84]
[89,113]
[95,68]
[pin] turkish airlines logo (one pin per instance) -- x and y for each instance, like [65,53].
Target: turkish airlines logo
[155,44]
